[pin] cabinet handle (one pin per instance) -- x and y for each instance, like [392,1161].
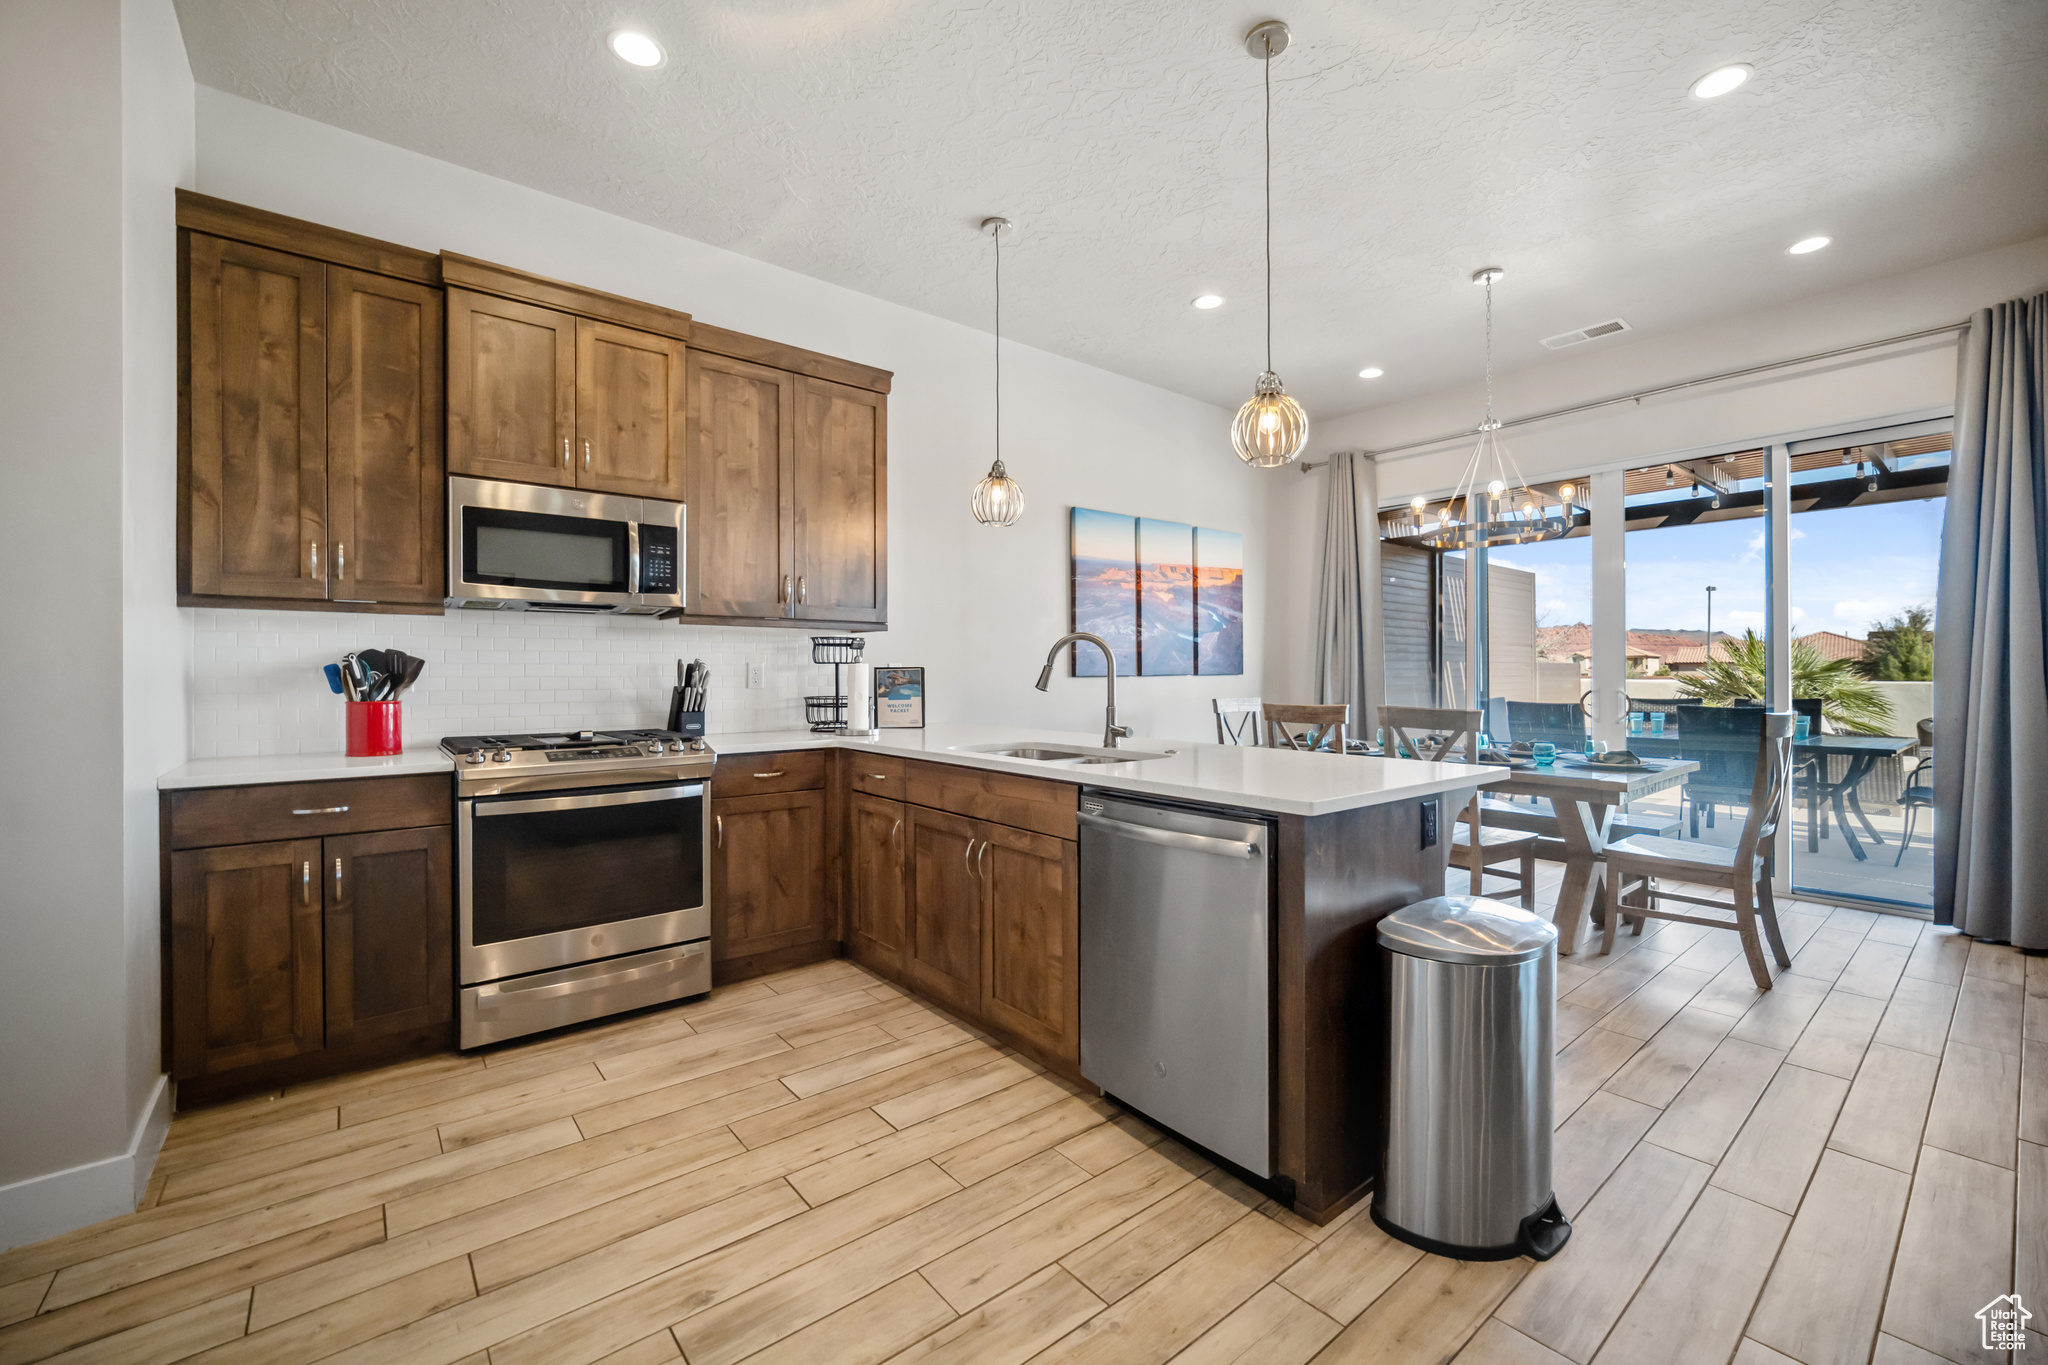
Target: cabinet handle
[878,777]
[306,883]
[896,831]
[586,454]
[313,557]
[967,859]
[802,597]
[340,561]
[337,879]
[323,810]
[719,820]
[981,862]
[768,774]
[565,452]
[782,593]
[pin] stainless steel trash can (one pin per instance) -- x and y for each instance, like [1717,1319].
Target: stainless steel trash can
[1471,993]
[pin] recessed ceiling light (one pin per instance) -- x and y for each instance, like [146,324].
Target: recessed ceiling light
[1720,81]
[1209,301]
[1802,247]
[636,48]
[1371,372]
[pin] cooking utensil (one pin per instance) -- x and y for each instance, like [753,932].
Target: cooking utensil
[414,666]
[332,673]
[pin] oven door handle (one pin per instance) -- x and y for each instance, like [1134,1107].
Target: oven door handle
[544,803]
[666,967]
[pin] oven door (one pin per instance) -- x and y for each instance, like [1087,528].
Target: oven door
[548,881]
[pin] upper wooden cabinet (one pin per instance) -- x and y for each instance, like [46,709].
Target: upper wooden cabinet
[511,390]
[742,419]
[384,465]
[254,511]
[310,459]
[630,412]
[840,507]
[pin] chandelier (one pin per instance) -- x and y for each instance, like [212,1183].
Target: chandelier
[1493,503]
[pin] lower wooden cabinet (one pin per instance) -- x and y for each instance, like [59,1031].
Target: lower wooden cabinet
[390,933]
[245,972]
[878,882]
[978,916]
[768,884]
[944,949]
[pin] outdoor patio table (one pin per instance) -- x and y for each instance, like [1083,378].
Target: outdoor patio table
[1585,799]
[1862,751]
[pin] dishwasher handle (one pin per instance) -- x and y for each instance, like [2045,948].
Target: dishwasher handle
[1168,838]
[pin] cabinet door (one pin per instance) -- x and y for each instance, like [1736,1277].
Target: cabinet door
[245,956]
[1030,980]
[880,890]
[254,507]
[742,441]
[385,476]
[390,933]
[768,861]
[944,941]
[630,412]
[841,502]
[511,390]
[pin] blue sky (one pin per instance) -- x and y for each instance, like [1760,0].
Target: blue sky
[1850,568]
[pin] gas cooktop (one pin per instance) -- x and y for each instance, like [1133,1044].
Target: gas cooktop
[563,758]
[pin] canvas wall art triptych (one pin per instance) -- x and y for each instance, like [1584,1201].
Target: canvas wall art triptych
[1167,596]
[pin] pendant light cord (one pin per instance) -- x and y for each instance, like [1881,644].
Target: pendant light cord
[997,233]
[1489,352]
[1269,203]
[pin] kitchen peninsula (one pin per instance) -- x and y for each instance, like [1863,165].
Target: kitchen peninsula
[939,861]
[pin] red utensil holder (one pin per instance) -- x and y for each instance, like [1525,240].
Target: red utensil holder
[375,729]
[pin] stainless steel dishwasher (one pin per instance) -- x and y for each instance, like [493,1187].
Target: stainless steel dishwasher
[1176,906]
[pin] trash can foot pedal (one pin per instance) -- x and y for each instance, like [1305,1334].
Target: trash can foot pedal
[1545,1232]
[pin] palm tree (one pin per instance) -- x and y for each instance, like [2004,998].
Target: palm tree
[1848,701]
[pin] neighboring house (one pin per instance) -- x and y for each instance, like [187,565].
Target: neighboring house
[1650,652]
[1831,646]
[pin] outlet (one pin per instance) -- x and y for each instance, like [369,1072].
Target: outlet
[1429,818]
[754,671]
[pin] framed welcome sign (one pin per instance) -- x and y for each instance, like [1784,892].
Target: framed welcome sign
[1167,596]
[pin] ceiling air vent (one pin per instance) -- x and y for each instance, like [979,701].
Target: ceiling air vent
[1593,333]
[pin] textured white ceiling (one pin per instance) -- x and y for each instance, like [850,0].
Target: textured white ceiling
[860,141]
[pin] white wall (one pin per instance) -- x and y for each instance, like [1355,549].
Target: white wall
[1842,394]
[976,607]
[95,101]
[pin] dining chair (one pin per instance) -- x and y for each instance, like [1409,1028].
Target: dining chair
[1509,854]
[1307,726]
[1446,729]
[1237,719]
[1635,866]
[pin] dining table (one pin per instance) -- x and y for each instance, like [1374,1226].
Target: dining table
[1585,797]
[1862,753]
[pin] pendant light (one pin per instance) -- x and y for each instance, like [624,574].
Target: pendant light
[1271,428]
[998,498]
[1494,504]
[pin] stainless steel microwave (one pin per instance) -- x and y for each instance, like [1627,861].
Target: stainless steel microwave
[521,547]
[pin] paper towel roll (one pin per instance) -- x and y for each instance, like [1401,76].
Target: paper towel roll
[860,697]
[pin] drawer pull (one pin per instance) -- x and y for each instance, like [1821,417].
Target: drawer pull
[878,777]
[324,810]
[770,774]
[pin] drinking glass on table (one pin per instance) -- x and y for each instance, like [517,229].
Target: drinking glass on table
[1544,752]
[1635,722]
[1801,728]
[1656,722]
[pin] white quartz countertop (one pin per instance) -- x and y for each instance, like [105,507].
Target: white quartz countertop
[1279,781]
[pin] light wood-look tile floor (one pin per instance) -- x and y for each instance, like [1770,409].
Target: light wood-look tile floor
[815,1168]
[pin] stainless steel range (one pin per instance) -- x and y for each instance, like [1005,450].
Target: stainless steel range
[581,876]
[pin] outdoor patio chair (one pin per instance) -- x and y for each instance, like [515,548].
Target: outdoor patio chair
[1723,741]
[1917,796]
[1635,867]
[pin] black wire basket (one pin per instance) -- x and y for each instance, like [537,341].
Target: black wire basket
[828,714]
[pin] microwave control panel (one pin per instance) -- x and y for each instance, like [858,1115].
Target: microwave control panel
[658,560]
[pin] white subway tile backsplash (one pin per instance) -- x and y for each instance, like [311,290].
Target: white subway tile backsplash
[256,685]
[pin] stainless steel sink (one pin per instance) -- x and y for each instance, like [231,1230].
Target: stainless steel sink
[1077,756]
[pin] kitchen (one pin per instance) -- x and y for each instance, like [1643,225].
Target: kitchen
[364,1056]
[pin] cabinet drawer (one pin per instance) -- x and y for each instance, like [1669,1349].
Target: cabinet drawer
[1020,802]
[752,774]
[876,775]
[209,816]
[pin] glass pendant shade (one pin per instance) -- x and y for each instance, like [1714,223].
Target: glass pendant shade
[1271,429]
[998,498]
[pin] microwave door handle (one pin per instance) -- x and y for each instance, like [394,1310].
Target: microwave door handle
[633,558]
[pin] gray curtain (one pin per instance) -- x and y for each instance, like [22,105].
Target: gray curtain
[1348,645]
[1990,664]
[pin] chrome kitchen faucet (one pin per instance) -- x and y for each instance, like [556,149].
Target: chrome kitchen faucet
[1111,731]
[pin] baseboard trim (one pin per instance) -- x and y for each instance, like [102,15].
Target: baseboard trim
[63,1201]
